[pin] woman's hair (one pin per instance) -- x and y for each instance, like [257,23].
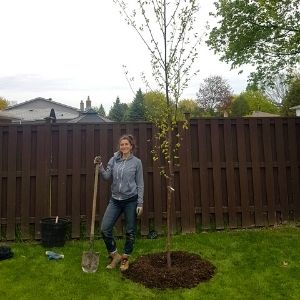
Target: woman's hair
[129,138]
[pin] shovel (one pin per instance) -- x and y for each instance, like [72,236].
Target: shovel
[90,259]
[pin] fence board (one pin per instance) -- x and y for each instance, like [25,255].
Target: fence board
[243,172]
[216,164]
[62,171]
[11,183]
[292,137]
[203,175]
[269,172]
[42,203]
[26,150]
[281,170]
[184,184]
[256,172]
[157,181]
[230,175]
[76,163]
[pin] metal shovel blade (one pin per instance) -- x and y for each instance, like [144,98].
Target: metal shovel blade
[90,261]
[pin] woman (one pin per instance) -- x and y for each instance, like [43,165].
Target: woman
[127,190]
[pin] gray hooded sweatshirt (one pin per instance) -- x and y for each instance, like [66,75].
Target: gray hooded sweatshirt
[127,175]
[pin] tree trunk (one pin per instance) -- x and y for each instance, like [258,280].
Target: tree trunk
[170,198]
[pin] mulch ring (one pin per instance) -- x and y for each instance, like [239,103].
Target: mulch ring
[187,270]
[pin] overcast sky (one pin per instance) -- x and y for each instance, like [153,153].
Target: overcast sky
[70,49]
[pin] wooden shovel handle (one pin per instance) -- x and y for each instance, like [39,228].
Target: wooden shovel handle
[94,201]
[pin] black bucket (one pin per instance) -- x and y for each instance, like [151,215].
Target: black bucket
[54,234]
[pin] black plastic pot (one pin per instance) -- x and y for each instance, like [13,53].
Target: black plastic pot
[54,234]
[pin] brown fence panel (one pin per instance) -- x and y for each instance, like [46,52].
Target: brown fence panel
[232,172]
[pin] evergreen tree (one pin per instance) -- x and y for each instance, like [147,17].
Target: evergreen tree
[137,110]
[118,111]
[101,111]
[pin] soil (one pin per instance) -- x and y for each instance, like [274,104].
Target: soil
[187,270]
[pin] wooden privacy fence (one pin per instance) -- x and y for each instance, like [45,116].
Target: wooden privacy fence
[233,173]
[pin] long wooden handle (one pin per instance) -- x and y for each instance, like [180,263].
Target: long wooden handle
[94,201]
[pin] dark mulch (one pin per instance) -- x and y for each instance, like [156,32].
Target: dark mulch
[187,270]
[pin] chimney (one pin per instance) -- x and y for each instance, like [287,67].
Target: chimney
[81,106]
[88,103]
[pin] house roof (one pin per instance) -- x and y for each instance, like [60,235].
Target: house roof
[37,103]
[259,114]
[90,116]
[39,108]
[295,107]
[4,115]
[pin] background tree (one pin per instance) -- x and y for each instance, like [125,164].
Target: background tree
[118,112]
[100,110]
[278,90]
[292,98]
[167,30]
[214,95]
[136,110]
[250,101]
[265,34]
[187,106]
[3,103]
[155,102]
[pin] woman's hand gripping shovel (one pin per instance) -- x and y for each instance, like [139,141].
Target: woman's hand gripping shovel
[90,259]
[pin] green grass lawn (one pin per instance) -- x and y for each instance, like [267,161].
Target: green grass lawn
[251,264]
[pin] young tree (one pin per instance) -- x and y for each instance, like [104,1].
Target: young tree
[118,111]
[214,95]
[167,30]
[136,110]
[292,98]
[265,34]
[3,103]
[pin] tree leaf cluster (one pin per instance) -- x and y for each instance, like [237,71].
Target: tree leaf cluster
[262,33]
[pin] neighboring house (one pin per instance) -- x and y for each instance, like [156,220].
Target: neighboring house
[89,116]
[41,110]
[259,114]
[297,108]
[6,117]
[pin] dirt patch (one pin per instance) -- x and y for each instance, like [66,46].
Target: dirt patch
[187,270]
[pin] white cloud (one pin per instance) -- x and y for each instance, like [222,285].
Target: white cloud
[70,49]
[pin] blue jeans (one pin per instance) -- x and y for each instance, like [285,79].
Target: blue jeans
[113,211]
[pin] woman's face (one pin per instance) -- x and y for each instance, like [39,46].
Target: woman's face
[125,147]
